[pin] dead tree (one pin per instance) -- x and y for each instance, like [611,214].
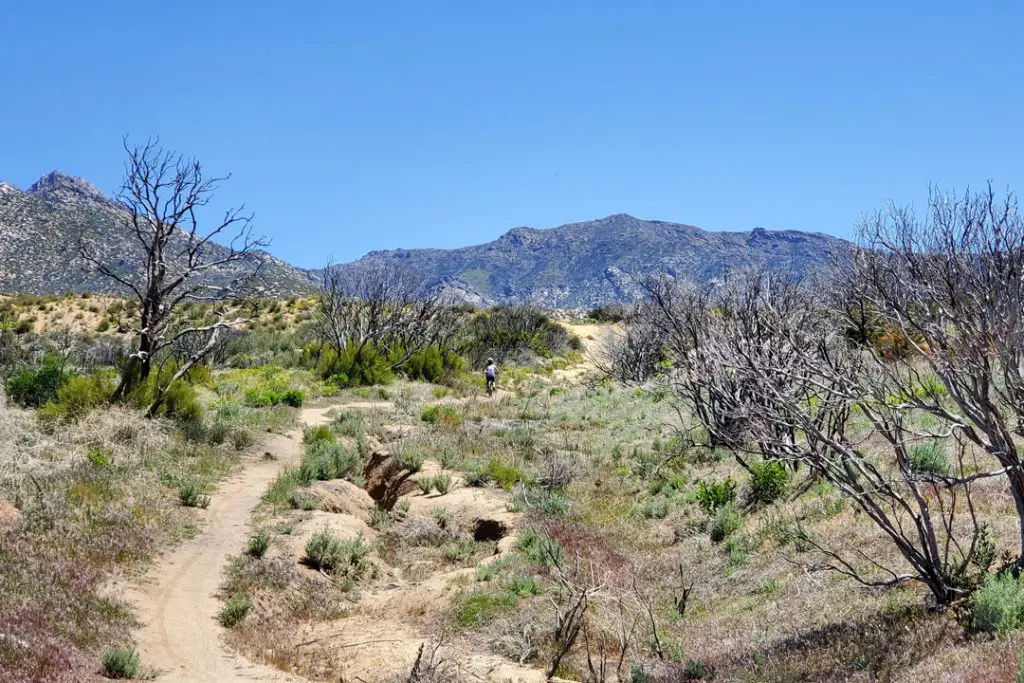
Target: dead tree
[175,259]
[383,311]
[951,286]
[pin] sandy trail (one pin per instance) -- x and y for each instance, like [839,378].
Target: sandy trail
[177,601]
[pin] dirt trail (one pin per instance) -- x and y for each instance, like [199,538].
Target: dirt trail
[177,601]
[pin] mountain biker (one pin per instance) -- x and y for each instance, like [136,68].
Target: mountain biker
[491,374]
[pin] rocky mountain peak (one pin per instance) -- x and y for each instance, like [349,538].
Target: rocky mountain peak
[57,185]
[6,188]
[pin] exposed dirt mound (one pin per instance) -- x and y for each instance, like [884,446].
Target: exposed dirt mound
[342,497]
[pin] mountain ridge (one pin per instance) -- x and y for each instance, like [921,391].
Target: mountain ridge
[578,264]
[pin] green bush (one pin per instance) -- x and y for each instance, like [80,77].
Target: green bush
[998,606]
[33,388]
[346,558]
[355,367]
[443,483]
[441,415]
[191,496]
[319,433]
[235,610]
[294,398]
[426,485]
[715,494]
[121,663]
[929,458]
[726,521]
[505,476]
[514,333]
[433,365]
[258,545]
[769,481]
[325,460]
[180,403]
[79,395]
[242,439]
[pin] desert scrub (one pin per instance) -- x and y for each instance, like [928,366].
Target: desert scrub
[98,516]
[769,481]
[478,607]
[998,606]
[347,558]
[442,416]
[235,610]
[191,496]
[726,521]
[928,458]
[712,495]
[121,663]
[258,545]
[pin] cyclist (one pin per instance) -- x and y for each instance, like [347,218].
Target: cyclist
[491,375]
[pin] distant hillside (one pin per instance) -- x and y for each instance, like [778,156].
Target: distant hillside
[575,265]
[583,264]
[40,230]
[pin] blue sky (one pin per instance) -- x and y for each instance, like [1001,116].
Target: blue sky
[357,126]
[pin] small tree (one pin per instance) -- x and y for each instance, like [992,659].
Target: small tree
[174,259]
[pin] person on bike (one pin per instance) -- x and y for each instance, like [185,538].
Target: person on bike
[491,374]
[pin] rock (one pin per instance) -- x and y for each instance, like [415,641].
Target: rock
[386,479]
[342,497]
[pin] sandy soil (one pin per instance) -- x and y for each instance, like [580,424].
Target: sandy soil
[177,601]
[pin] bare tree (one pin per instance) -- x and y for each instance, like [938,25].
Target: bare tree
[176,259]
[951,285]
[767,368]
[383,311]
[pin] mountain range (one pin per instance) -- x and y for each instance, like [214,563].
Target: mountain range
[574,265]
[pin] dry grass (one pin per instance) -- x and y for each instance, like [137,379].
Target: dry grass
[93,501]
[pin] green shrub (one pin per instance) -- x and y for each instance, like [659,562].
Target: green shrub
[283,488]
[258,545]
[696,670]
[998,606]
[242,439]
[443,483]
[180,403]
[325,460]
[655,508]
[32,388]
[191,496]
[121,663]
[441,415]
[319,433]
[540,549]
[716,494]
[433,365]
[929,458]
[294,398]
[79,395]
[726,521]
[426,485]
[235,610]
[99,458]
[300,500]
[479,607]
[523,586]
[103,326]
[346,558]
[505,476]
[769,480]
[355,367]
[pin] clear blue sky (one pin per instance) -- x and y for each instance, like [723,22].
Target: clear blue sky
[356,126]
